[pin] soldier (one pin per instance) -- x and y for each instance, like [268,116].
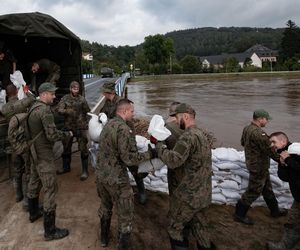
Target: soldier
[257,152]
[44,70]
[109,108]
[7,66]
[43,172]
[174,175]
[191,198]
[116,153]
[74,108]
[21,163]
[288,170]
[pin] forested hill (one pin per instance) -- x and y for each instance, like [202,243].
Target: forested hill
[214,41]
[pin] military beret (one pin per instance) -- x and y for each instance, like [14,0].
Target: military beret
[108,87]
[261,113]
[47,86]
[184,108]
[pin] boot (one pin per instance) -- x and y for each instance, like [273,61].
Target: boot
[273,206]
[212,246]
[179,245]
[19,188]
[240,213]
[290,238]
[104,229]
[141,189]
[66,164]
[51,231]
[25,199]
[85,164]
[34,210]
[123,241]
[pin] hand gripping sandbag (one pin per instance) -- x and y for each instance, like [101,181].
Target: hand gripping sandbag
[157,128]
[294,148]
[96,125]
[147,166]
[18,81]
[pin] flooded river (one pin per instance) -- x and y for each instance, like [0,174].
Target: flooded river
[224,107]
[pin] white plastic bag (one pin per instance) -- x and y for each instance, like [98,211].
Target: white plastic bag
[2,98]
[96,125]
[18,81]
[294,148]
[157,128]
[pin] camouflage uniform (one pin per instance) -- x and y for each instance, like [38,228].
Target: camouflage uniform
[21,163]
[257,152]
[174,175]
[116,153]
[109,107]
[43,171]
[74,110]
[191,198]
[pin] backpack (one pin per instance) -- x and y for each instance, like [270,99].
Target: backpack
[18,133]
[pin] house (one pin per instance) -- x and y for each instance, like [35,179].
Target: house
[257,54]
[87,56]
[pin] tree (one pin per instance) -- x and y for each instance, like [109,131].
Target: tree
[190,64]
[290,43]
[231,64]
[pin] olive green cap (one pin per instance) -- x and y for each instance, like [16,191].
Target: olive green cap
[47,86]
[184,108]
[261,113]
[108,87]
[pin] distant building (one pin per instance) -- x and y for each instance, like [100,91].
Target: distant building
[256,55]
[87,56]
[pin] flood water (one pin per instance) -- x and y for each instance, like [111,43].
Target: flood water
[224,107]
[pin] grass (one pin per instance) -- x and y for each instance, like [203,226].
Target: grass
[213,76]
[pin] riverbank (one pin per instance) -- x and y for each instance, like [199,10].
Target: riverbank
[211,76]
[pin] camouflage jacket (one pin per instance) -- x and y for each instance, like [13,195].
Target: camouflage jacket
[16,106]
[109,107]
[74,110]
[192,153]
[117,151]
[41,118]
[257,148]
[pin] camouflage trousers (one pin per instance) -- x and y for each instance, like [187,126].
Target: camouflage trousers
[294,217]
[259,184]
[122,196]
[184,218]
[43,174]
[21,166]
[82,140]
[174,178]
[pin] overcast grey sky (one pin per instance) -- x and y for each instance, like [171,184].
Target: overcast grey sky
[128,22]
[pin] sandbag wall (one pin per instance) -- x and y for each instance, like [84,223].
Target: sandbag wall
[229,180]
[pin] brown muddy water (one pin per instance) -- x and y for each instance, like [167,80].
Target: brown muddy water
[225,106]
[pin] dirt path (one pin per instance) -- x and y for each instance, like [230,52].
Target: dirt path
[77,210]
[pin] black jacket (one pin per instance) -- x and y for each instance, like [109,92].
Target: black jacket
[291,172]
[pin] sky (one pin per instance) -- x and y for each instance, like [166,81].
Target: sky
[128,22]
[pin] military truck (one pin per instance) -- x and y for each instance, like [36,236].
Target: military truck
[107,72]
[33,36]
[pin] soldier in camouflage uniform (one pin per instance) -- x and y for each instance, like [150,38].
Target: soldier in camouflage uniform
[192,196]
[43,172]
[109,108]
[289,171]
[117,151]
[21,163]
[257,152]
[74,108]
[174,175]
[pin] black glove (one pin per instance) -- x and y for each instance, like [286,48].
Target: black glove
[152,151]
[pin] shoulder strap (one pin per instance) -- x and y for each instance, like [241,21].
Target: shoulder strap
[38,135]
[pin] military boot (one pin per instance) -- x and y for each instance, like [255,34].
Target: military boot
[290,238]
[51,231]
[275,210]
[66,158]
[104,230]
[34,211]
[123,241]
[25,199]
[19,188]
[240,213]
[141,189]
[84,164]
[179,245]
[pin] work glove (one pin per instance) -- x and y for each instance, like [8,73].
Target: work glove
[25,88]
[153,140]
[153,152]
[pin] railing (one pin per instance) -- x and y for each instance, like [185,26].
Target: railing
[121,84]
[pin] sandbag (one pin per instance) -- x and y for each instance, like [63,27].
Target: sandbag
[96,124]
[17,79]
[157,128]
[294,148]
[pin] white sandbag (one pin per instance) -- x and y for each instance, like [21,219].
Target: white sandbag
[18,80]
[235,178]
[294,148]
[227,154]
[96,124]
[241,173]
[147,180]
[159,183]
[142,143]
[226,165]
[151,165]
[244,183]
[230,194]
[164,179]
[275,180]
[2,98]
[157,128]
[164,170]
[153,178]
[218,198]
[93,151]
[216,190]
[229,184]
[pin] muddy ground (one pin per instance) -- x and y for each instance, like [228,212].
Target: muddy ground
[77,204]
